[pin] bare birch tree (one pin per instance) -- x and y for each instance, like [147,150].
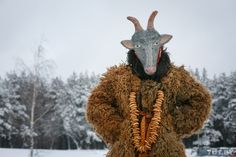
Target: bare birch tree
[40,70]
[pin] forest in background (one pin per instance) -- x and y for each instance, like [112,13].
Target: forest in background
[49,113]
[59,112]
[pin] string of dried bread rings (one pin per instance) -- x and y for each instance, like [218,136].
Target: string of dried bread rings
[143,140]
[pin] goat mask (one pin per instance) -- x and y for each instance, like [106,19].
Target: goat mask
[147,44]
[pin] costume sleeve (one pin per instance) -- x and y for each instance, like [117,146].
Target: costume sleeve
[193,105]
[102,110]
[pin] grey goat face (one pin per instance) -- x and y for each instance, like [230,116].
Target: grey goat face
[147,44]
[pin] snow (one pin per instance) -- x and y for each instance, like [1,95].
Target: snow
[52,153]
[62,153]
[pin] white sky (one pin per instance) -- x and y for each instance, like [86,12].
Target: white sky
[85,35]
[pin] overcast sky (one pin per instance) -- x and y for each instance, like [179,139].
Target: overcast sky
[85,35]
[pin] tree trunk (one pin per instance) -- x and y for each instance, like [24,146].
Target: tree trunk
[32,119]
[68,142]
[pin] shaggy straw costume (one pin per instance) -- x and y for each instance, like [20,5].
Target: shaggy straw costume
[140,115]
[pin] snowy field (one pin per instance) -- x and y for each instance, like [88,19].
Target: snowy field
[52,153]
[60,153]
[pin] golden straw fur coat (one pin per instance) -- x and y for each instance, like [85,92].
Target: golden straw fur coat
[185,108]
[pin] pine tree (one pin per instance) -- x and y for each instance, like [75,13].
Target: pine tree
[230,113]
[204,78]
[75,111]
[53,122]
[197,74]
[71,100]
[12,111]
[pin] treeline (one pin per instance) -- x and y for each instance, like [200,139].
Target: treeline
[59,113]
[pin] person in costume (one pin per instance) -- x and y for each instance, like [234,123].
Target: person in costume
[146,107]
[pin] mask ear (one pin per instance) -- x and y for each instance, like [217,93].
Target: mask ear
[128,44]
[165,38]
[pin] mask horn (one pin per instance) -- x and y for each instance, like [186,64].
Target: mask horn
[138,27]
[151,20]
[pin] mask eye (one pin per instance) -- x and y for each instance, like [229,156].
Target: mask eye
[137,46]
[156,43]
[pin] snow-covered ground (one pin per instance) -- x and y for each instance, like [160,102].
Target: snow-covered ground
[60,153]
[52,153]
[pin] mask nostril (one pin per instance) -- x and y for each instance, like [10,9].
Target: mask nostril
[150,70]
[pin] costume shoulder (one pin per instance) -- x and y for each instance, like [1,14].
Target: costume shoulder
[187,82]
[114,74]
[179,71]
[175,77]
[115,71]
